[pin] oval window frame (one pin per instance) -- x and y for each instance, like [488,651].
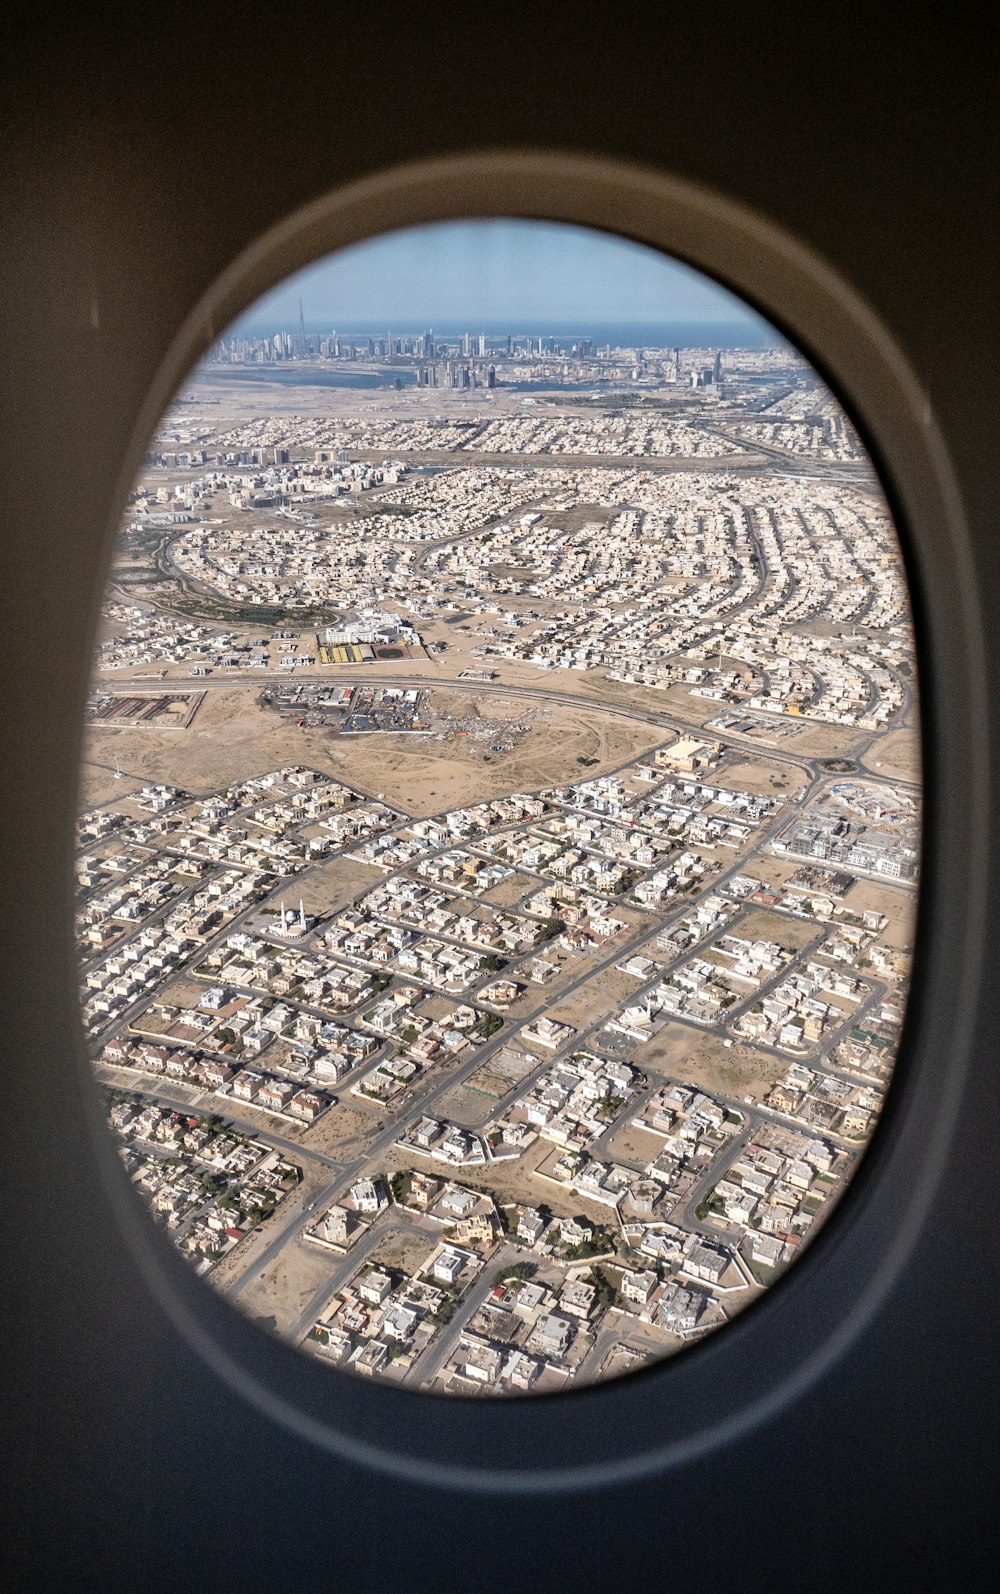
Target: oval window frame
[684,1408]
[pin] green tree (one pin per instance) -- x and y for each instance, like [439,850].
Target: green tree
[607,1294]
[514,1270]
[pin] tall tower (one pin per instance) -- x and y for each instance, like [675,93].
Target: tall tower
[302,331]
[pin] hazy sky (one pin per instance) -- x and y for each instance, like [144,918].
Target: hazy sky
[492,273]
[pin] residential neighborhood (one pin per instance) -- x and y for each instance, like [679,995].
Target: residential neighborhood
[499,847]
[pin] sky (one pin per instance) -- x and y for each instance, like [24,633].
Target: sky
[490,274]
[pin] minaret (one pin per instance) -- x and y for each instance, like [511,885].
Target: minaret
[302,917]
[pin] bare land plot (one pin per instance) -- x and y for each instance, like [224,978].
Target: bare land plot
[345,1131]
[287,1285]
[428,775]
[569,967]
[472,1101]
[503,1070]
[635,1145]
[772,870]
[328,887]
[595,1001]
[763,778]
[509,892]
[762,925]
[232,739]
[896,755]
[897,903]
[465,1104]
[403,1247]
[694,1057]
[816,740]
[100,784]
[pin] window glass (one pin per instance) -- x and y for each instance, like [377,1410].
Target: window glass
[499,839]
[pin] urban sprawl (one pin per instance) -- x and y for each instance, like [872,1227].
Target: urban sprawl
[513,999]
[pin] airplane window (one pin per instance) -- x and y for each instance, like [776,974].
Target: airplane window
[500,828]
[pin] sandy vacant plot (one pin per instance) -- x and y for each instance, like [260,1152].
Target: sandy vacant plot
[288,1285]
[509,892]
[635,1145]
[896,755]
[345,1131]
[403,1248]
[761,925]
[465,1104]
[899,905]
[762,777]
[427,775]
[330,886]
[825,741]
[100,784]
[596,1001]
[503,1070]
[474,1100]
[772,870]
[693,1057]
[231,739]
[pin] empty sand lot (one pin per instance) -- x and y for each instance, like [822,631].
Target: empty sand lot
[896,756]
[693,1057]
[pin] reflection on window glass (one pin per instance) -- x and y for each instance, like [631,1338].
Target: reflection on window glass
[499,838]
